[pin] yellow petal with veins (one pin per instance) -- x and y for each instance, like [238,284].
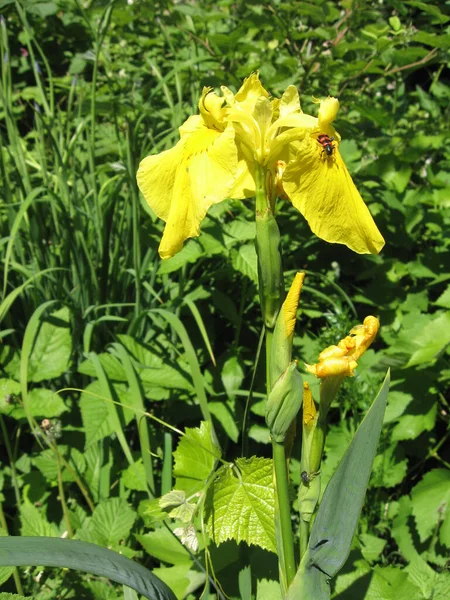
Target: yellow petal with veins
[182,183]
[321,188]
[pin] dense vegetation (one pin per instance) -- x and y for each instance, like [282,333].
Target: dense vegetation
[89,310]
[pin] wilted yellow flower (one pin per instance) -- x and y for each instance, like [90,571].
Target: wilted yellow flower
[342,358]
[234,135]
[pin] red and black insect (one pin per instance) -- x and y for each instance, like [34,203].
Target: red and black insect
[327,144]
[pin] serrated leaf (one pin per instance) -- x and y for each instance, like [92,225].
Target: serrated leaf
[134,478]
[241,505]
[431,503]
[410,426]
[112,366]
[111,522]
[46,462]
[195,458]
[389,468]
[34,522]
[52,347]
[173,498]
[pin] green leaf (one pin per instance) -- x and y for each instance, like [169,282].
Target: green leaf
[73,554]
[134,477]
[410,426]
[163,545]
[241,504]
[96,414]
[432,340]
[190,253]
[244,261]
[110,523]
[52,347]
[46,462]
[232,375]
[34,522]
[332,532]
[431,504]
[181,579]
[195,458]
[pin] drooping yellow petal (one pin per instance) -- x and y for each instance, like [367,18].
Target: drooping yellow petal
[321,188]
[182,183]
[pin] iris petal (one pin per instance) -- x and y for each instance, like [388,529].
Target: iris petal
[182,183]
[321,188]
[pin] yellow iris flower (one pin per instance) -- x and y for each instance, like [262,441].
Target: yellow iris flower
[341,360]
[234,135]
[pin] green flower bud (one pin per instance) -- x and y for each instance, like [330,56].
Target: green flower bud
[284,402]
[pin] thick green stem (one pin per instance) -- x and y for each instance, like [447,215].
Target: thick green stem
[304,536]
[285,538]
[271,293]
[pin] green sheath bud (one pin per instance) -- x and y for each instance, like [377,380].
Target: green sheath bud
[284,402]
[270,270]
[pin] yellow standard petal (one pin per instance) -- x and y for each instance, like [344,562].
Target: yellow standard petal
[182,183]
[321,188]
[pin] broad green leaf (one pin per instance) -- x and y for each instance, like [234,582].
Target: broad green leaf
[232,375]
[431,504]
[396,406]
[163,545]
[241,504]
[34,522]
[372,546]
[112,366]
[332,532]
[52,347]
[46,403]
[73,554]
[181,579]
[96,414]
[225,413]
[190,253]
[403,528]
[134,477]
[195,459]
[444,298]
[389,467]
[432,340]
[6,596]
[239,231]
[42,402]
[110,523]
[46,462]
[245,261]
[422,418]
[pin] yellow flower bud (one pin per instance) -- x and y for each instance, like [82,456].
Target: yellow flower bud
[328,111]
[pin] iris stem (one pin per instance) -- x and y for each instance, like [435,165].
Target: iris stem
[283,507]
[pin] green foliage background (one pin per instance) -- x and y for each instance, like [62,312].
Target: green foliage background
[90,88]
